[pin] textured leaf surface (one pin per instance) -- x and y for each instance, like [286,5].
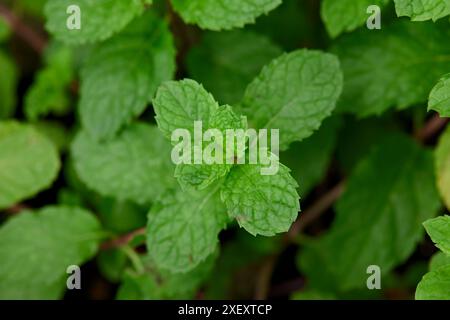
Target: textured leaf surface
[183,228]
[261,204]
[100,19]
[226,73]
[29,163]
[439,231]
[8,83]
[421,10]
[379,216]
[394,68]
[435,285]
[442,162]
[439,99]
[346,15]
[135,166]
[223,14]
[121,75]
[36,249]
[294,94]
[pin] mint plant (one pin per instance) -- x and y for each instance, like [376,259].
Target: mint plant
[173,149]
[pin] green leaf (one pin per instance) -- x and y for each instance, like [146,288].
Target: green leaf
[346,15]
[112,264]
[394,68]
[435,285]
[311,158]
[223,72]
[439,259]
[49,91]
[223,15]
[439,99]
[56,132]
[178,104]
[421,10]
[100,19]
[38,247]
[442,164]
[202,175]
[135,166]
[294,94]
[378,218]
[29,163]
[261,204]
[183,227]
[8,83]
[5,30]
[439,231]
[121,75]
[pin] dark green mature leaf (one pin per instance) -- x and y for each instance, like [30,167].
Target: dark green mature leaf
[346,15]
[261,204]
[135,166]
[439,99]
[294,94]
[421,10]
[395,68]
[29,162]
[100,19]
[122,74]
[379,217]
[223,14]
[226,73]
[37,248]
[183,227]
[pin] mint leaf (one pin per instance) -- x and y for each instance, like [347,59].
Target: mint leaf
[378,218]
[5,30]
[37,247]
[183,227]
[421,10]
[394,68]
[223,15]
[261,204]
[178,104]
[135,166]
[100,19]
[435,285]
[346,15]
[442,164]
[439,259]
[121,76]
[226,73]
[439,231]
[439,99]
[294,94]
[8,83]
[48,94]
[29,163]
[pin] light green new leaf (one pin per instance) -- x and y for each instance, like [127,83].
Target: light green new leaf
[261,204]
[38,247]
[135,166]
[378,218]
[294,94]
[439,231]
[8,83]
[442,164]
[99,19]
[29,163]
[421,10]
[439,99]
[49,92]
[178,104]
[439,259]
[226,73]
[394,68]
[346,15]
[223,14]
[435,285]
[122,74]
[183,228]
